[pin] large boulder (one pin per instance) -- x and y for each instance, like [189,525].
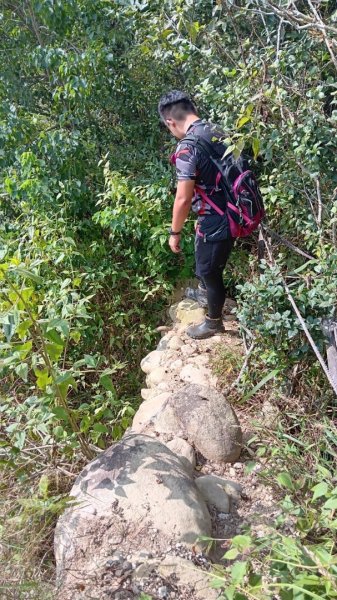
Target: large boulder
[201,415]
[209,421]
[136,487]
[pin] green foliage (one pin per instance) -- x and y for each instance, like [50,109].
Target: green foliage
[86,196]
[295,557]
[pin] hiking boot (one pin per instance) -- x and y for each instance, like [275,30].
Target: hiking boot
[198,294]
[206,329]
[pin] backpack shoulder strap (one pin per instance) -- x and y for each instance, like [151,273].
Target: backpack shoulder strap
[208,150]
[204,145]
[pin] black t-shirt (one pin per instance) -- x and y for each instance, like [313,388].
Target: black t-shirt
[193,164]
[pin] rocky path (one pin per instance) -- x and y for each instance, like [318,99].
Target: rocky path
[145,506]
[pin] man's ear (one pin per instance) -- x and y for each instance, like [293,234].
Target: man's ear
[170,122]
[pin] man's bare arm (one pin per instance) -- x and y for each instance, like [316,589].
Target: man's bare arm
[182,203]
[181,208]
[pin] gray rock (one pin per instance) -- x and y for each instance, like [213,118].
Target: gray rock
[208,421]
[187,350]
[138,481]
[197,374]
[203,417]
[188,575]
[148,393]
[151,361]
[145,568]
[177,364]
[175,343]
[162,344]
[148,411]
[156,376]
[213,492]
[184,450]
[218,491]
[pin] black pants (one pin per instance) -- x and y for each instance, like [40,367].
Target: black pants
[211,258]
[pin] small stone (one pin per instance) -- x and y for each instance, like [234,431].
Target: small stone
[147,393]
[144,554]
[156,376]
[126,566]
[232,472]
[177,364]
[175,343]
[187,350]
[117,557]
[213,492]
[238,466]
[195,374]
[162,591]
[200,360]
[151,361]
[223,516]
[164,386]
[148,411]
[217,339]
[115,541]
[110,563]
[270,414]
[162,344]
[184,450]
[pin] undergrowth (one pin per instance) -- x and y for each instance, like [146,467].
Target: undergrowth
[295,557]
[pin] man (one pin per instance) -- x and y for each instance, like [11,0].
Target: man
[213,242]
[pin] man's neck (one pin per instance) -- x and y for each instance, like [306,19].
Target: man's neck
[189,120]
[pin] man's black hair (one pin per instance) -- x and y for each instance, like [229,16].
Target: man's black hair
[176,105]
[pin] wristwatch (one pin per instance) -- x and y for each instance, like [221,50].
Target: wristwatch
[171,232]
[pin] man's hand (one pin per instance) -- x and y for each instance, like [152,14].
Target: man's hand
[174,243]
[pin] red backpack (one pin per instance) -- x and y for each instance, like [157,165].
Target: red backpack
[244,204]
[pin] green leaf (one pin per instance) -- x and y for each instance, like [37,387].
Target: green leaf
[54,351]
[238,571]
[29,274]
[58,432]
[60,413]
[9,328]
[242,542]
[331,503]
[100,428]
[319,490]
[285,480]
[64,381]
[53,336]
[230,592]
[20,439]
[23,328]
[242,121]
[231,554]
[22,371]
[90,361]
[106,382]
[24,349]
[43,378]
[43,485]
[256,147]
[261,383]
